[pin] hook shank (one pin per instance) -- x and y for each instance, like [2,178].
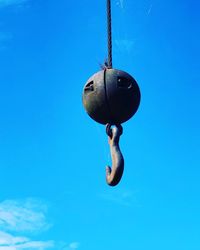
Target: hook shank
[114,174]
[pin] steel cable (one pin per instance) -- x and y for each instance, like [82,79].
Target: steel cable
[109,34]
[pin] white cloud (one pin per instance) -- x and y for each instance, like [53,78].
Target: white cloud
[28,215]
[8,242]
[8,239]
[11,242]
[74,245]
[11,2]
[38,245]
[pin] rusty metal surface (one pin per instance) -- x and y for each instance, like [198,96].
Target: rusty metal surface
[114,174]
[111,96]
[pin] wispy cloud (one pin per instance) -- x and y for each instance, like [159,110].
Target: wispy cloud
[5,36]
[4,3]
[74,245]
[120,3]
[27,217]
[10,242]
[70,246]
[121,197]
[124,45]
[149,9]
[8,239]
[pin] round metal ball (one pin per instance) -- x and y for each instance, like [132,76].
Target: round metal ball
[111,96]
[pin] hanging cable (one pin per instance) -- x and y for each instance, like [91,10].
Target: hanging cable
[109,30]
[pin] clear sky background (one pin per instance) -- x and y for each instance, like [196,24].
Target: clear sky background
[53,193]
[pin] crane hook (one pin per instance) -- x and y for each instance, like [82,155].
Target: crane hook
[114,174]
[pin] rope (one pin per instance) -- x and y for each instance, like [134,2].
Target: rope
[109,34]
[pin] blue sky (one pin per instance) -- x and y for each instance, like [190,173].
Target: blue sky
[53,156]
